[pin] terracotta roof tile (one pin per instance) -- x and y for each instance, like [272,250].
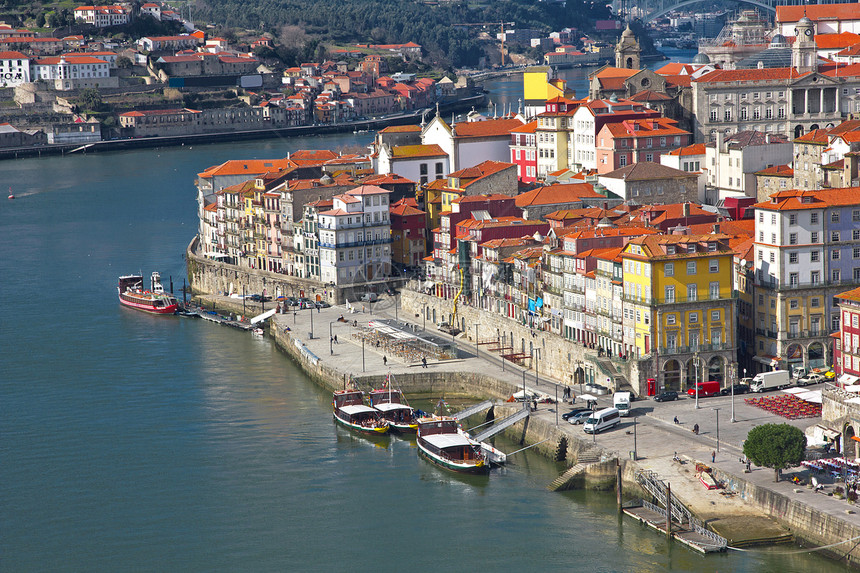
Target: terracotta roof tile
[487,128]
[557,194]
[753,75]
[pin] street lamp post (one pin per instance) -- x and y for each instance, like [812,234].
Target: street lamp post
[733,375]
[424,327]
[635,455]
[330,339]
[502,353]
[476,341]
[362,354]
[717,410]
[524,387]
[537,359]
[696,378]
[312,324]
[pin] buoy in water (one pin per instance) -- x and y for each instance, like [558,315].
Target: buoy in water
[11,196]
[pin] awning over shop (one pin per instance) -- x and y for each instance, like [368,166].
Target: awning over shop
[852,388]
[847,379]
[828,433]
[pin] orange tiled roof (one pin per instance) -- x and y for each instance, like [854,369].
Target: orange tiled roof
[817,12]
[852,295]
[487,128]
[753,75]
[554,194]
[841,40]
[795,199]
[695,149]
[742,227]
[777,171]
[251,167]
[415,151]
[400,129]
[530,127]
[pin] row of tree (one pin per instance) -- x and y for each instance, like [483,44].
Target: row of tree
[398,21]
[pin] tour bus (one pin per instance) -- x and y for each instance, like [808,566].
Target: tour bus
[606,418]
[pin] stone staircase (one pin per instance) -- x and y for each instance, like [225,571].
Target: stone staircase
[584,460]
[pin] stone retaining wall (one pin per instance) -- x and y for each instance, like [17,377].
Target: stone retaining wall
[557,356]
[808,525]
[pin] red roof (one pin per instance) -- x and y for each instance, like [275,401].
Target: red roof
[695,149]
[754,75]
[817,12]
[487,128]
[777,171]
[795,199]
[557,194]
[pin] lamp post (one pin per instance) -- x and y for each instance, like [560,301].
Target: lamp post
[537,360]
[717,410]
[330,339]
[733,375]
[524,388]
[312,324]
[696,378]
[476,341]
[502,353]
[424,327]
[362,354]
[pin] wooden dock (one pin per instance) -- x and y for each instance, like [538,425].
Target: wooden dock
[656,518]
[212,316]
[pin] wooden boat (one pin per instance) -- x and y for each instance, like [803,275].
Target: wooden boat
[394,409]
[351,411]
[156,301]
[441,442]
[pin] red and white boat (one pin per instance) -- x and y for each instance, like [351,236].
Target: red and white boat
[132,294]
[441,441]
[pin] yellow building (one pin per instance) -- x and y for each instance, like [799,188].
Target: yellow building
[680,307]
[539,85]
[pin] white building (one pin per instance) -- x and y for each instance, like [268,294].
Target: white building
[422,163]
[74,72]
[14,69]
[472,142]
[151,9]
[102,16]
[589,119]
[828,18]
[355,237]
[733,161]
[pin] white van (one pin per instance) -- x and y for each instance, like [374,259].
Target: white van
[606,418]
[621,400]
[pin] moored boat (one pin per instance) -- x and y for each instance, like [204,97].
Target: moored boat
[351,411]
[394,409]
[132,294]
[441,442]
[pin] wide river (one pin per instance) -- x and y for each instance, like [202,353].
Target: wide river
[138,443]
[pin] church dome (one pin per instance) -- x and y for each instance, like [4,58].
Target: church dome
[701,58]
[778,41]
[804,22]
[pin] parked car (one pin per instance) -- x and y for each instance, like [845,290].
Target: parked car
[829,375]
[292,301]
[572,413]
[391,291]
[369,297]
[323,304]
[813,378]
[254,297]
[739,389]
[667,396]
[579,417]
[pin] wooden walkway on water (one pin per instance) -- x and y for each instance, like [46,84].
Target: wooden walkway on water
[656,518]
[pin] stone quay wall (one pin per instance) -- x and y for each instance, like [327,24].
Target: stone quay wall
[558,356]
[808,525]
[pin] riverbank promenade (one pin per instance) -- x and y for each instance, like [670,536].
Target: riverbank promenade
[657,440]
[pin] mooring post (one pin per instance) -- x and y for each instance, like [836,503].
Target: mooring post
[669,510]
[618,481]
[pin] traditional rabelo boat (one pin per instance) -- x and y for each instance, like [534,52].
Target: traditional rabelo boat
[441,442]
[394,409]
[131,294]
[351,411]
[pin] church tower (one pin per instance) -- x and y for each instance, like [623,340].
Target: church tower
[804,55]
[627,51]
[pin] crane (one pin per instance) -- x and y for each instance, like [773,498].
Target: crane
[501,26]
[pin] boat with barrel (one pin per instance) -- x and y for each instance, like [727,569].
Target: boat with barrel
[155,300]
[394,408]
[351,411]
[441,441]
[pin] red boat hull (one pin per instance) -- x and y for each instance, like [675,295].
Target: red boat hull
[170,309]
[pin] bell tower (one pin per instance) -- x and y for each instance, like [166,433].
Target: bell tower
[804,55]
[627,51]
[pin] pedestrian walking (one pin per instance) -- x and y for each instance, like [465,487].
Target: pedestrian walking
[423,362]
[713,457]
[385,360]
[696,429]
[335,339]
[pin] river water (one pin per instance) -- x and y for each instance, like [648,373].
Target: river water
[138,443]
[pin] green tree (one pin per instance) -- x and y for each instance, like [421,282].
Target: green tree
[40,20]
[776,446]
[90,99]
[123,62]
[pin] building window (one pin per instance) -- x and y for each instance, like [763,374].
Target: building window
[792,219]
[813,218]
[772,257]
[691,267]
[670,293]
[714,290]
[834,254]
[694,317]
[835,275]
[793,280]
[792,257]
[813,237]
[814,302]
[669,269]
[423,169]
[692,293]
[834,217]
[856,252]
[773,219]
[793,304]
[670,319]
[815,277]
[714,266]
[834,236]
[727,115]
[814,256]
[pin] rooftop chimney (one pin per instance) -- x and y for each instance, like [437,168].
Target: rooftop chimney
[716,227]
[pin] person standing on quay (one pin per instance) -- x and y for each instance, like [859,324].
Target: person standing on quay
[385,360]
[713,457]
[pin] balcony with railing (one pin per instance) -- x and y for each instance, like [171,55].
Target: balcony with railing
[669,350]
[795,334]
[679,299]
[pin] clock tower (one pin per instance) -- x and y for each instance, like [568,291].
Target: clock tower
[804,55]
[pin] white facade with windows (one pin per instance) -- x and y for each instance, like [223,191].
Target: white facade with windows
[14,69]
[355,237]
